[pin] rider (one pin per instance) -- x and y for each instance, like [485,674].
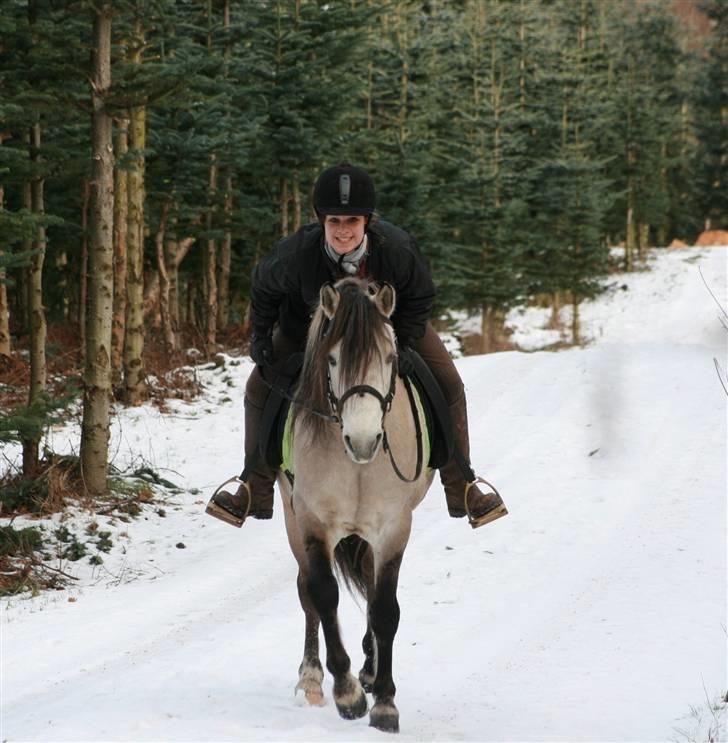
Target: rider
[347,240]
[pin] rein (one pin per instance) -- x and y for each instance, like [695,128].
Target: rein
[385,402]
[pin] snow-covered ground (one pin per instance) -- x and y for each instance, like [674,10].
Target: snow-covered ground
[596,611]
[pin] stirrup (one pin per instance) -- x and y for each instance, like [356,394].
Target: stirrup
[223,514]
[486,518]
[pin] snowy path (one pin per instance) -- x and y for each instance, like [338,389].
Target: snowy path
[596,611]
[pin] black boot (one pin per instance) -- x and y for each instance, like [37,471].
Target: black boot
[466,498]
[254,496]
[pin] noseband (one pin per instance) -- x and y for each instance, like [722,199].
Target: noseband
[385,402]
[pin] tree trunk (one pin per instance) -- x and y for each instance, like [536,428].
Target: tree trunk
[211,270]
[491,328]
[644,239]
[296,197]
[167,332]
[97,373]
[631,236]
[284,207]
[4,310]
[134,385]
[36,311]
[225,259]
[575,320]
[121,226]
[83,269]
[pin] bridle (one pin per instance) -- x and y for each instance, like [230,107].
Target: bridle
[385,402]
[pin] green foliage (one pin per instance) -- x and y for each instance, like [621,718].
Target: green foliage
[20,542]
[23,495]
[511,138]
[27,422]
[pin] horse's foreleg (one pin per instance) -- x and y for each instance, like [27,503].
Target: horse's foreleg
[384,620]
[324,592]
[310,673]
[369,646]
[369,669]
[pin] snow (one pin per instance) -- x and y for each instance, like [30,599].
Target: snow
[596,611]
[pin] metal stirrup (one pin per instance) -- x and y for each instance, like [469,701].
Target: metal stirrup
[468,486]
[247,490]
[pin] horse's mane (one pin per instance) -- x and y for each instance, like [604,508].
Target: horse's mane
[362,330]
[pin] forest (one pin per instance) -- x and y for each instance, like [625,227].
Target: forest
[151,151]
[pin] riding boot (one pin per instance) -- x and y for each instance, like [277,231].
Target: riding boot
[254,496]
[463,497]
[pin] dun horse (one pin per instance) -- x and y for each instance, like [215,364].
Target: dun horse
[358,477]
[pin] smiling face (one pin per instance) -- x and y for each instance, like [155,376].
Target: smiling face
[344,233]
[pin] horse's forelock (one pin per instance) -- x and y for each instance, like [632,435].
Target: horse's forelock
[361,329]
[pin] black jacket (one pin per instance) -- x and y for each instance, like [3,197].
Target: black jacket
[287,281]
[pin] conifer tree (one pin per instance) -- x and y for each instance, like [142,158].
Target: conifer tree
[711,117]
[97,374]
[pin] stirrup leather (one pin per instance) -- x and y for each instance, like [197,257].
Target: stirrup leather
[223,514]
[486,518]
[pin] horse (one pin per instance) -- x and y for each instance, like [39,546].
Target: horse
[358,478]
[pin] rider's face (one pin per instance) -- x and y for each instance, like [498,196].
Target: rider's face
[344,233]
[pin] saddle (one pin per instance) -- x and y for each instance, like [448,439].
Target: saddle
[274,432]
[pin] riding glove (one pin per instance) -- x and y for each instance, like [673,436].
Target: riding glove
[405,365]
[261,349]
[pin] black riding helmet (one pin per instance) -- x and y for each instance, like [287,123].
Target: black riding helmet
[344,189]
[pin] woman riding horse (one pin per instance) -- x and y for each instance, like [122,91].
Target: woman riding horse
[347,240]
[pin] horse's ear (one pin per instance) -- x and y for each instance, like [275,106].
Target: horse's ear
[384,299]
[329,297]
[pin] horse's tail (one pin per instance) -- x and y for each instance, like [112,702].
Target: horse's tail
[353,557]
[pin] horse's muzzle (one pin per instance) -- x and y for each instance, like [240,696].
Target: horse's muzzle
[362,449]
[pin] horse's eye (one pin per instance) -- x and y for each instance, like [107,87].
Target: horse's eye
[332,361]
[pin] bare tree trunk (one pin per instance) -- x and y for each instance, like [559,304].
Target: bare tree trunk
[225,260]
[492,329]
[168,334]
[296,196]
[121,226]
[643,240]
[4,310]
[211,270]
[631,236]
[83,270]
[284,207]
[225,257]
[575,320]
[36,311]
[97,373]
[134,383]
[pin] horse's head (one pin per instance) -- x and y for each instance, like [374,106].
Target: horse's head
[360,356]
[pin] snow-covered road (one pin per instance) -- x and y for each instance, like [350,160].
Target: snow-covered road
[595,612]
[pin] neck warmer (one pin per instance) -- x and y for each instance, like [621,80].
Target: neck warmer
[349,262]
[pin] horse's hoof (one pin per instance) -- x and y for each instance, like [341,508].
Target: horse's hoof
[385,717]
[315,698]
[353,710]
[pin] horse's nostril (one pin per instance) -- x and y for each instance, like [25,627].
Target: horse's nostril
[347,441]
[379,438]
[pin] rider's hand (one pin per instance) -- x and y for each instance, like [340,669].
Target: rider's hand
[405,367]
[261,349]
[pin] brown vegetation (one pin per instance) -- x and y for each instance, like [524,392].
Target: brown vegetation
[712,237]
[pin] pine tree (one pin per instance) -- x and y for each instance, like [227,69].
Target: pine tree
[97,374]
[711,118]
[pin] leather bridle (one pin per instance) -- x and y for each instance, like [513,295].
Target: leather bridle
[385,402]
